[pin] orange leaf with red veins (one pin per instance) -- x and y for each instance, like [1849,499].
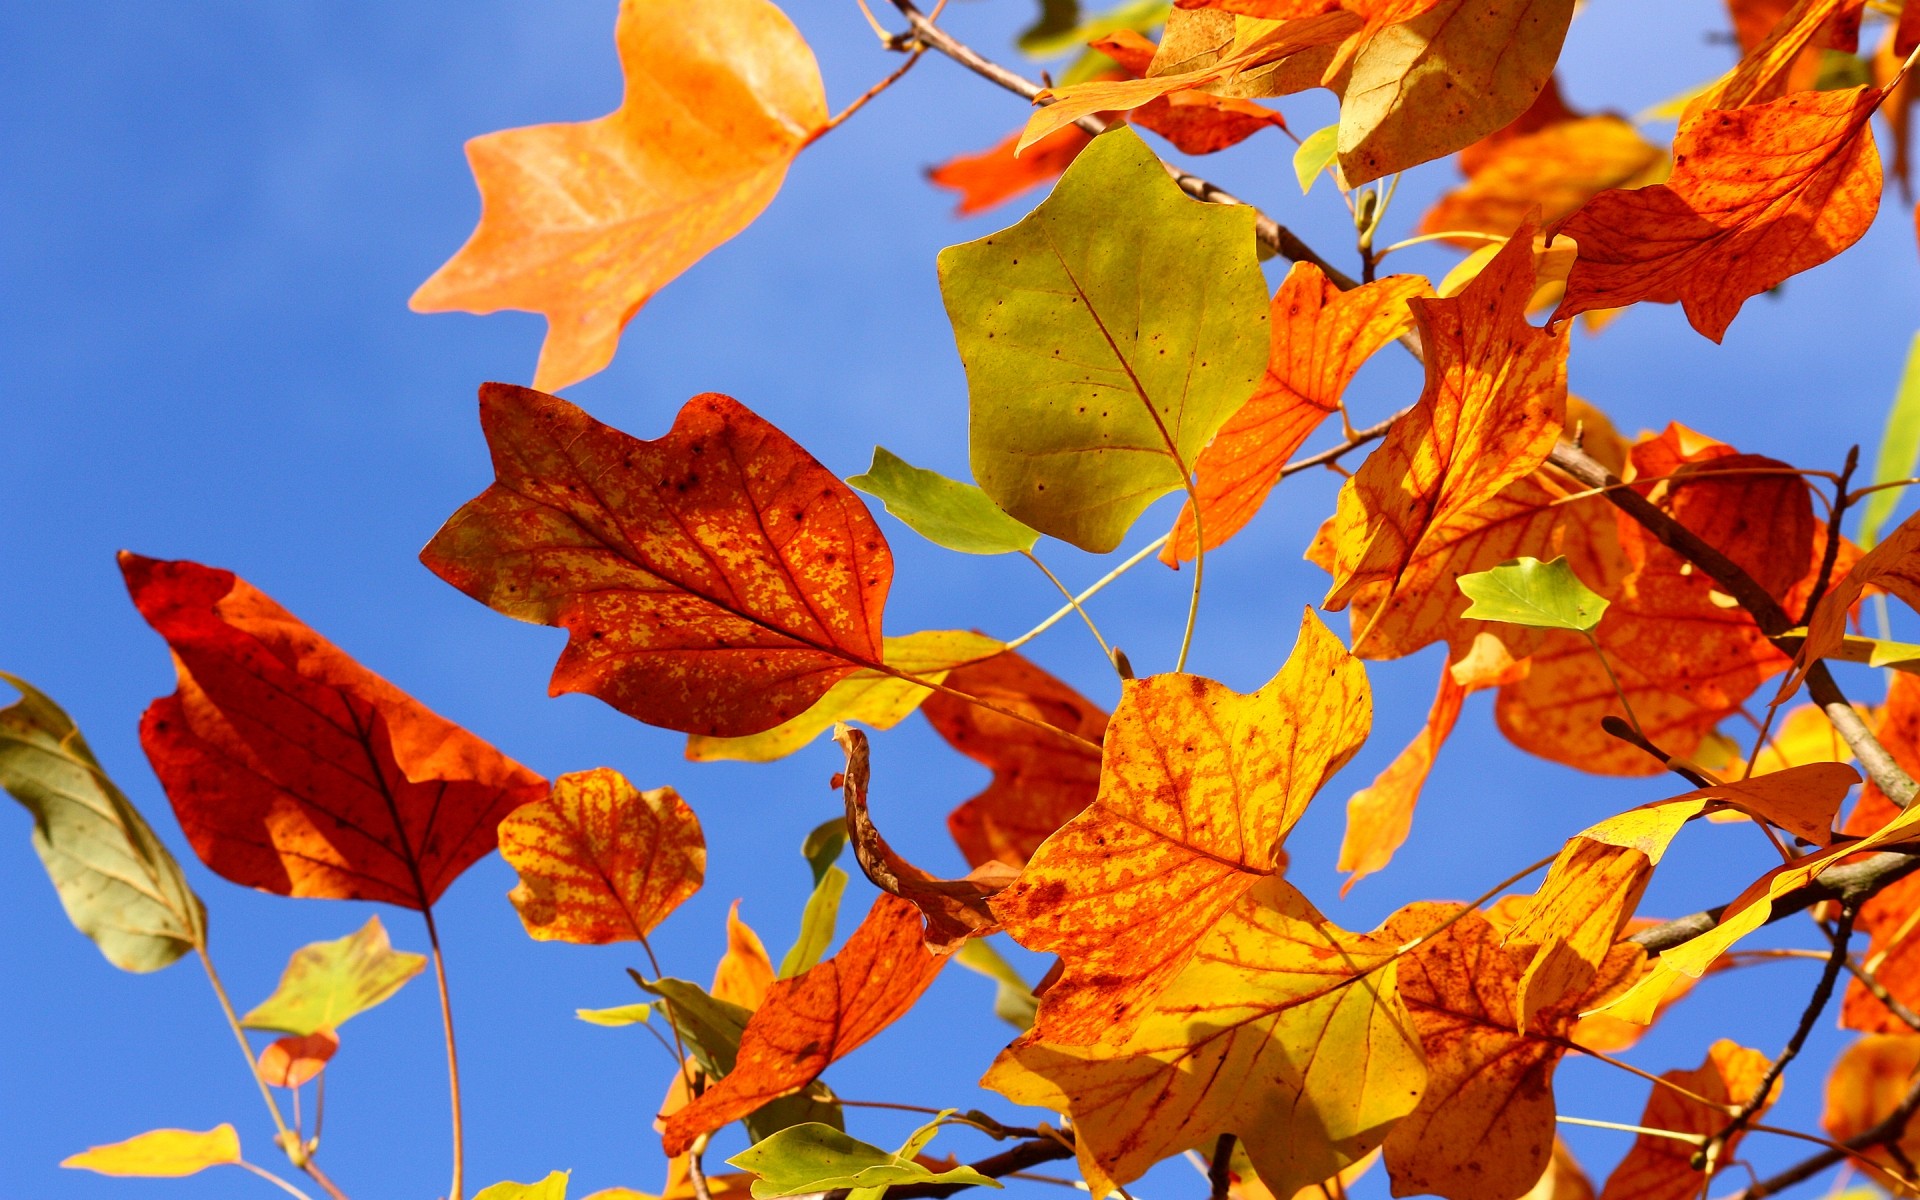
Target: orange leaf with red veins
[1195,122]
[1893,566]
[816,1018]
[1772,67]
[289,1062]
[1660,1168]
[294,769]
[1546,175]
[1758,194]
[717,580]
[1484,1127]
[601,861]
[1199,787]
[745,972]
[1493,407]
[1890,918]
[1320,337]
[996,175]
[1040,781]
[584,222]
[1866,1084]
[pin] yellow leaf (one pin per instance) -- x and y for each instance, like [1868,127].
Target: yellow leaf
[162,1154]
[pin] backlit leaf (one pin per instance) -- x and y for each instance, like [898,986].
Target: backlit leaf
[1551,172]
[553,1187]
[717,580]
[162,1154]
[584,222]
[945,511]
[289,1062]
[1867,1082]
[616,1017]
[1013,998]
[816,1158]
[119,885]
[818,920]
[1899,450]
[993,176]
[294,769]
[1199,786]
[601,861]
[1660,1168]
[1527,591]
[1106,338]
[328,982]
[745,972]
[1314,155]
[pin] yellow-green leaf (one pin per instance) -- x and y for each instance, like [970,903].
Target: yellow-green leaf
[1106,339]
[1526,591]
[1899,451]
[1013,998]
[815,1158]
[617,1016]
[1314,155]
[817,922]
[162,1154]
[553,1187]
[946,512]
[328,982]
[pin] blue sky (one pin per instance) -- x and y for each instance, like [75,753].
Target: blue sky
[210,221]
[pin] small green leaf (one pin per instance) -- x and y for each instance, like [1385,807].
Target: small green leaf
[1526,591]
[1899,451]
[1838,69]
[814,1158]
[553,1187]
[614,1018]
[817,922]
[116,880]
[1314,155]
[823,845]
[328,982]
[946,512]
[1060,29]
[1013,1001]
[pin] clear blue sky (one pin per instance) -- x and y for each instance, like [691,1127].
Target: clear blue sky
[210,219]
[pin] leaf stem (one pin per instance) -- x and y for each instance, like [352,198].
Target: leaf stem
[271,1178]
[1062,614]
[1199,570]
[246,1052]
[453,1058]
[1073,601]
[1692,1139]
[1619,691]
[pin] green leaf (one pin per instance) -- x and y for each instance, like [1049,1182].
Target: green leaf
[1106,339]
[116,880]
[817,922]
[1013,1001]
[1526,591]
[945,511]
[1060,29]
[1314,155]
[1899,451]
[553,1187]
[328,982]
[813,1158]
[1838,69]
[823,845]
[616,1017]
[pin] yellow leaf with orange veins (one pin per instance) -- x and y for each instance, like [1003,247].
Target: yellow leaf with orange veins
[1320,336]
[745,972]
[586,221]
[1493,407]
[1661,1168]
[601,861]
[1866,1084]
[1199,786]
[1803,736]
[1281,1029]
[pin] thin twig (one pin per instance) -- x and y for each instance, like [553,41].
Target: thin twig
[1831,552]
[1220,1171]
[861,100]
[1073,602]
[1134,560]
[1889,1131]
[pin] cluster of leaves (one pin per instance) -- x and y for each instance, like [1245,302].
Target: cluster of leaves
[1625,599]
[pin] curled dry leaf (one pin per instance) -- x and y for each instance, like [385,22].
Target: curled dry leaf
[1280,1028]
[584,222]
[1199,786]
[290,1062]
[1661,1168]
[294,769]
[1321,336]
[1758,194]
[810,1021]
[1040,782]
[717,580]
[601,861]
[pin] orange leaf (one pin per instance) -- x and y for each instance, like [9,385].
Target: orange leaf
[1893,566]
[1040,781]
[1494,404]
[1758,194]
[1550,173]
[1867,1083]
[294,769]
[745,972]
[817,1017]
[1199,786]
[1892,917]
[289,1062]
[1659,1168]
[1320,337]
[586,221]
[1776,64]
[601,861]
[996,174]
[1195,122]
[717,580]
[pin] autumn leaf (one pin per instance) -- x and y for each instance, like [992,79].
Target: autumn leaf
[1765,70]
[1321,336]
[1085,405]
[1279,1028]
[1194,121]
[1866,1084]
[810,1021]
[162,1154]
[1892,566]
[1758,194]
[289,1062]
[1661,1168]
[1550,172]
[1888,918]
[1493,407]
[1040,781]
[601,861]
[294,769]
[328,982]
[993,176]
[812,1158]
[947,512]
[117,882]
[745,972]
[584,222]
[717,580]
[553,1187]
[1540,595]
[1199,786]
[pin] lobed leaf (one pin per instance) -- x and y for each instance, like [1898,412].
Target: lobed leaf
[327,983]
[1527,591]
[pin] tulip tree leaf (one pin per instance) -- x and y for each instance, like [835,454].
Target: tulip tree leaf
[946,512]
[823,845]
[162,1154]
[814,1158]
[1106,339]
[817,923]
[1899,451]
[614,1018]
[328,982]
[553,1187]
[118,883]
[1526,591]
[1314,155]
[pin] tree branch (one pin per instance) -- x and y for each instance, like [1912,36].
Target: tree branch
[1007,1162]
[1886,1133]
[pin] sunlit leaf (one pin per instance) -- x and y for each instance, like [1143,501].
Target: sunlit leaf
[1314,155]
[1527,591]
[816,1158]
[328,982]
[945,511]
[162,1154]
[616,1017]
[1661,1168]
[553,1187]
[1899,451]
[289,1062]
[818,920]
